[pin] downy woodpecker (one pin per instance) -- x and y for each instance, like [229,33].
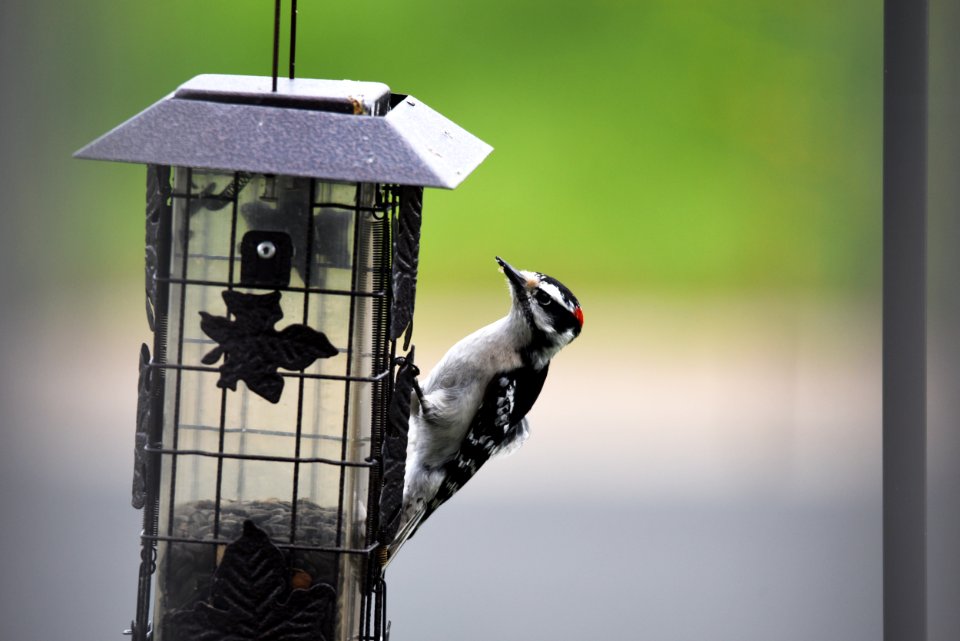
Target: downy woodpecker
[474,402]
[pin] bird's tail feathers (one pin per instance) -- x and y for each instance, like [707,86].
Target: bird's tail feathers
[406,531]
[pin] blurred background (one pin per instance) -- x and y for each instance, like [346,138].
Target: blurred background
[706,177]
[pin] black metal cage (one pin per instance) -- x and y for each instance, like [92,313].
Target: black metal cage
[282,241]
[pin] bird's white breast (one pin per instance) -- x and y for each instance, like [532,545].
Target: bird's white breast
[453,392]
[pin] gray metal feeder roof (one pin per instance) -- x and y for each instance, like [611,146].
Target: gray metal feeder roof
[317,128]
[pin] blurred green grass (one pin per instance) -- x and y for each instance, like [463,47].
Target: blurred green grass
[656,146]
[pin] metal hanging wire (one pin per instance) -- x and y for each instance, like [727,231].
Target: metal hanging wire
[293,37]
[276,41]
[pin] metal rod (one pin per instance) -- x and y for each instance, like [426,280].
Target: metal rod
[151,509]
[276,42]
[261,432]
[221,436]
[308,290]
[282,546]
[308,252]
[184,246]
[322,377]
[293,38]
[257,457]
[226,199]
[349,366]
[904,320]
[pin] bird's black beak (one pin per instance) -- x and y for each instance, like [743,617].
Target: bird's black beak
[516,279]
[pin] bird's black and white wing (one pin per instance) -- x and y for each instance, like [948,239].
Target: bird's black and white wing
[499,427]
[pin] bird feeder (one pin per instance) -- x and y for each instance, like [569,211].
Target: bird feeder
[282,234]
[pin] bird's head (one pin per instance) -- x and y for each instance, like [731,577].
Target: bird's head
[545,305]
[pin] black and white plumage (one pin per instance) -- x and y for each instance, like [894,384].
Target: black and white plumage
[474,403]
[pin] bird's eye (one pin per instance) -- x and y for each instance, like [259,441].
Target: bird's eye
[543,297]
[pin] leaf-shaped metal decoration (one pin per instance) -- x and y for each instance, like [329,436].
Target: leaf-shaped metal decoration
[406,256]
[254,350]
[158,206]
[252,599]
[395,450]
[140,461]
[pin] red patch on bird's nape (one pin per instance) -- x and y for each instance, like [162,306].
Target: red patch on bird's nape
[579,315]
